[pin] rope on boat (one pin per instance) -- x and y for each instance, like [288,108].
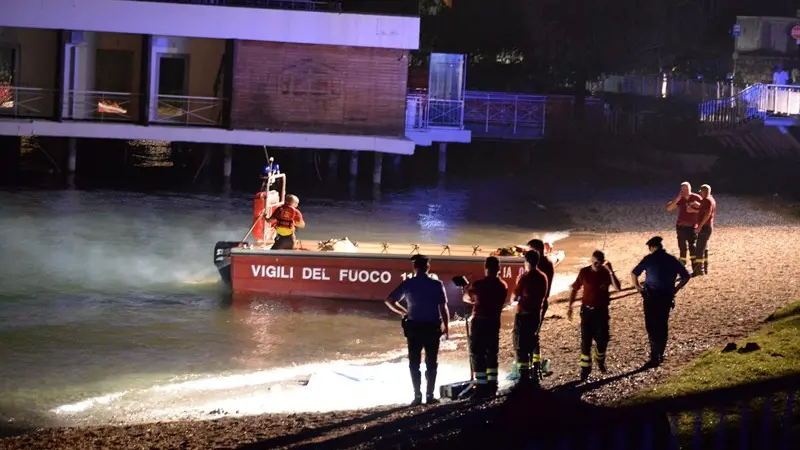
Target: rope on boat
[415,248]
[445,248]
[475,250]
[384,247]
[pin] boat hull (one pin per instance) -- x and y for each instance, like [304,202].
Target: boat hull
[345,275]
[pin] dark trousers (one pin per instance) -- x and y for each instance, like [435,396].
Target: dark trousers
[423,336]
[283,242]
[594,328]
[484,344]
[686,242]
[702,248]
[657,306]
[526,342]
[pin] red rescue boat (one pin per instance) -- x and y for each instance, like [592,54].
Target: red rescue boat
[340,268]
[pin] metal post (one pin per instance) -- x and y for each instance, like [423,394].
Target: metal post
[487,113]
[516,100]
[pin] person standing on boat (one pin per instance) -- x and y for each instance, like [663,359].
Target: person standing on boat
[425,318]
[488,295]
[286,219]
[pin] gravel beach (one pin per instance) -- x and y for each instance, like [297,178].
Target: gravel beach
[753,271]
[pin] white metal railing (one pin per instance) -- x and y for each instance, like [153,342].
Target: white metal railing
[100,106]
[21,102]
[499,113]
[179,109]
[423,112]
[755,102]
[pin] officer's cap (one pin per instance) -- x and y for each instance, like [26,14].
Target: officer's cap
[420,260]
[654,241]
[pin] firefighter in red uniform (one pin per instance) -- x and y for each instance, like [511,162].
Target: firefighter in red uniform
[529,294]
[686,203]
[705,225]
[488,295]
[595,280]
[286,219]
[549,270]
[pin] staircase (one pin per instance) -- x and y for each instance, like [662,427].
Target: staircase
[759,121]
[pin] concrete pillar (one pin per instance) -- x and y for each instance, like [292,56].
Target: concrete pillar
[72,160]
[442,157]
[353,165]
[333,165]
[377,170]
[227,164]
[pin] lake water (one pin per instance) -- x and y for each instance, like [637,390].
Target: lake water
[110,311]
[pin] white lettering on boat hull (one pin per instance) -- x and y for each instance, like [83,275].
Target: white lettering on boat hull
[281,272]
[365,276]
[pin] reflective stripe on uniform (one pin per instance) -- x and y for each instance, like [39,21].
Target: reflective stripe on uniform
[536,358]
[491,374]
[523,365]
[586,361]
[284,231]
[700,260]
[599,356]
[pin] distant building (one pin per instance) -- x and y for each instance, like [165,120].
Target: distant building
[763,44]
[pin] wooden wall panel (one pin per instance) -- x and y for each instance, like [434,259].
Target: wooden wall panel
[318,88]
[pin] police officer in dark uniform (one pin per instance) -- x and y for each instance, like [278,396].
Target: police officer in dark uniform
[488,295]
[658,292]
[425,318]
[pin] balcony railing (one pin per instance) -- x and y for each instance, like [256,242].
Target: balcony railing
[23,102]
[507,115]
[175,109]
[423,112]
[304,5]
[101,106]
[755,102]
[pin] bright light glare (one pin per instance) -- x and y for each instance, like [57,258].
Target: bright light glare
[334,386]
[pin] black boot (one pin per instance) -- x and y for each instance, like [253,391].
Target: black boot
[430,378]
[697,269]
[492,389]
[585,371]
[536,371]
[416,381]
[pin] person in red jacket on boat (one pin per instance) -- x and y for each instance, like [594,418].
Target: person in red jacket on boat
[286,219]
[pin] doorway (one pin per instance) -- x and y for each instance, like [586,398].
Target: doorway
[173,87]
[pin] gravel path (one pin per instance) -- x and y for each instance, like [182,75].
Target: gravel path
[753,271]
